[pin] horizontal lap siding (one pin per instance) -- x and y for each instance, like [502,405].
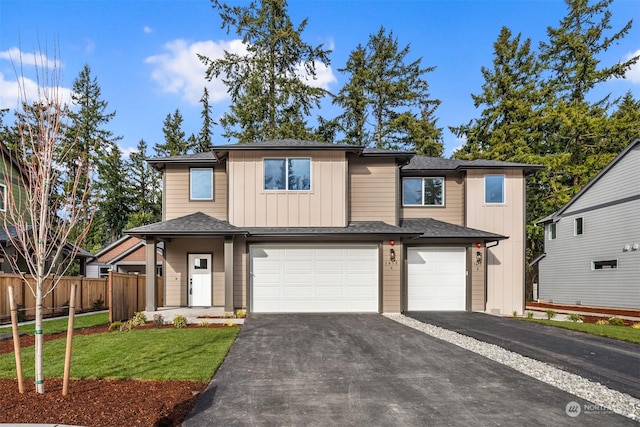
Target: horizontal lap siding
[453,209]
[372,190]
[176,197]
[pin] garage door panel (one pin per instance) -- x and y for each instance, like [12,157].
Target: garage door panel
[320,279]
[436,279]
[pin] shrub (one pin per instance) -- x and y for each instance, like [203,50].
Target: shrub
[602,322]
[529,314]
[98,304]
[616,321]
[636,326]
[241,314]
[158,320]
[127,326]
[115,326]
[574,317]
[229,323]
[550,314]
[179,321]
[515,313]
[227,315]
[203,324]
[139,319]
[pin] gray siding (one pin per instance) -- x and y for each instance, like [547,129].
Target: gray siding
[566,274]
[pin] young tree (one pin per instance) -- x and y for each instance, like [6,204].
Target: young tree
[387,99]
[175,143]
[204,141]
[40,215]
[268,85]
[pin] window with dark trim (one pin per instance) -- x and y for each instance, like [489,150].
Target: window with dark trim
[552,231]
[201,184]
[3,197]
[578,227]
[494,189]
[604,265]
[426,191]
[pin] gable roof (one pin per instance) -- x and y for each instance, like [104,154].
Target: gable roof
[196,223]
[429,228]
[555,216]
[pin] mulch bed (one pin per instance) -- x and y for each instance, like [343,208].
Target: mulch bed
[97,402]
[599,312]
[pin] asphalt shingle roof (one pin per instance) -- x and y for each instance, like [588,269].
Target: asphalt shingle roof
[358,227]
[286,144]
[431,228]
[193,224]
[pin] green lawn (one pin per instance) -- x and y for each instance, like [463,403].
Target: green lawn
[147,354]
[623,333]
[60,325]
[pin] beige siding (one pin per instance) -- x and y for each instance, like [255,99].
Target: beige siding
[372,190]
[177,274]
[477,280]
[251,206]
[505,262]
[453,209]
[176,197]
[240,269]
[391,278]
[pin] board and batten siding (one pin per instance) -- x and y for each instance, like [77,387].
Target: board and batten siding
[252,206]
[373,190]
[391,278]
[566,274]
[176,202]
[177,270]
[453,209]
[505,262]
[477,279]
[240,272]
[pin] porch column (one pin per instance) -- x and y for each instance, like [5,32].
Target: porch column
[151,287]
[228,273]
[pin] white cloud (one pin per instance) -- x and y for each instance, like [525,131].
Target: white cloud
[18,57]
[633,75]
[179,70]
[147,29]
[11,92]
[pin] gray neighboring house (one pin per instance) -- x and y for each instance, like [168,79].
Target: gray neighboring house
[592,244]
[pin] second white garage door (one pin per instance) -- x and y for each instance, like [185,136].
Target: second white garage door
[436,279]
[304,279]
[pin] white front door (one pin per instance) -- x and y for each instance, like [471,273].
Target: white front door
[200,280]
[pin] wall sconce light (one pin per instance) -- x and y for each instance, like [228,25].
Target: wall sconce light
[392,255]
[626,248]
[478,257]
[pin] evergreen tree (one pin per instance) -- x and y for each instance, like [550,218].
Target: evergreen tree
[204,141]
[175,143]
[390,93]
[624,124]
[144,188]
[268,86]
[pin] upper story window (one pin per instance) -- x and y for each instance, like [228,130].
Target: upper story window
[201,183]
[494,189]
[292,174]
[423,191]
[552,231]
[578,226]
[3,197]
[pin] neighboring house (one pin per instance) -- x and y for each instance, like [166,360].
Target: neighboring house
[592,244]
[302,226]
[125,255]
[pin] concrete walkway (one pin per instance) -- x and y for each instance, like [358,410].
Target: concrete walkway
[365,369]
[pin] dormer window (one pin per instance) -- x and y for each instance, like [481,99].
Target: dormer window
[423,191]
[292,174]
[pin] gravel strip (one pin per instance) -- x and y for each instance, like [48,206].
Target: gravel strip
[620,403]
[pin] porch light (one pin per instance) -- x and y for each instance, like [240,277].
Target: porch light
[392,242]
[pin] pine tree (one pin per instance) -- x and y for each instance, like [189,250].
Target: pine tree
[268,86]
[175,143]
[392,95]
[204,141]
[144,187]
[623,125]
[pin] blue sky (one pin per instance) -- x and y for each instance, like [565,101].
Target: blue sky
[143,51]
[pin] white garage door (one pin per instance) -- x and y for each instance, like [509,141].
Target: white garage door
[305,279]
[436,279]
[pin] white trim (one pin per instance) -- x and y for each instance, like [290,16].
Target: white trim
[554,235]
[191,183]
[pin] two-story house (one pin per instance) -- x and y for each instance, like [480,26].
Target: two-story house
[592,243]
[303,226]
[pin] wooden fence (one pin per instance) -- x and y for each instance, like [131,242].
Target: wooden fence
[92,294]
[127,293]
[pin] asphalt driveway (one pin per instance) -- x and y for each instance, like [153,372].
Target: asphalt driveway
[364,369]
[615,364]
